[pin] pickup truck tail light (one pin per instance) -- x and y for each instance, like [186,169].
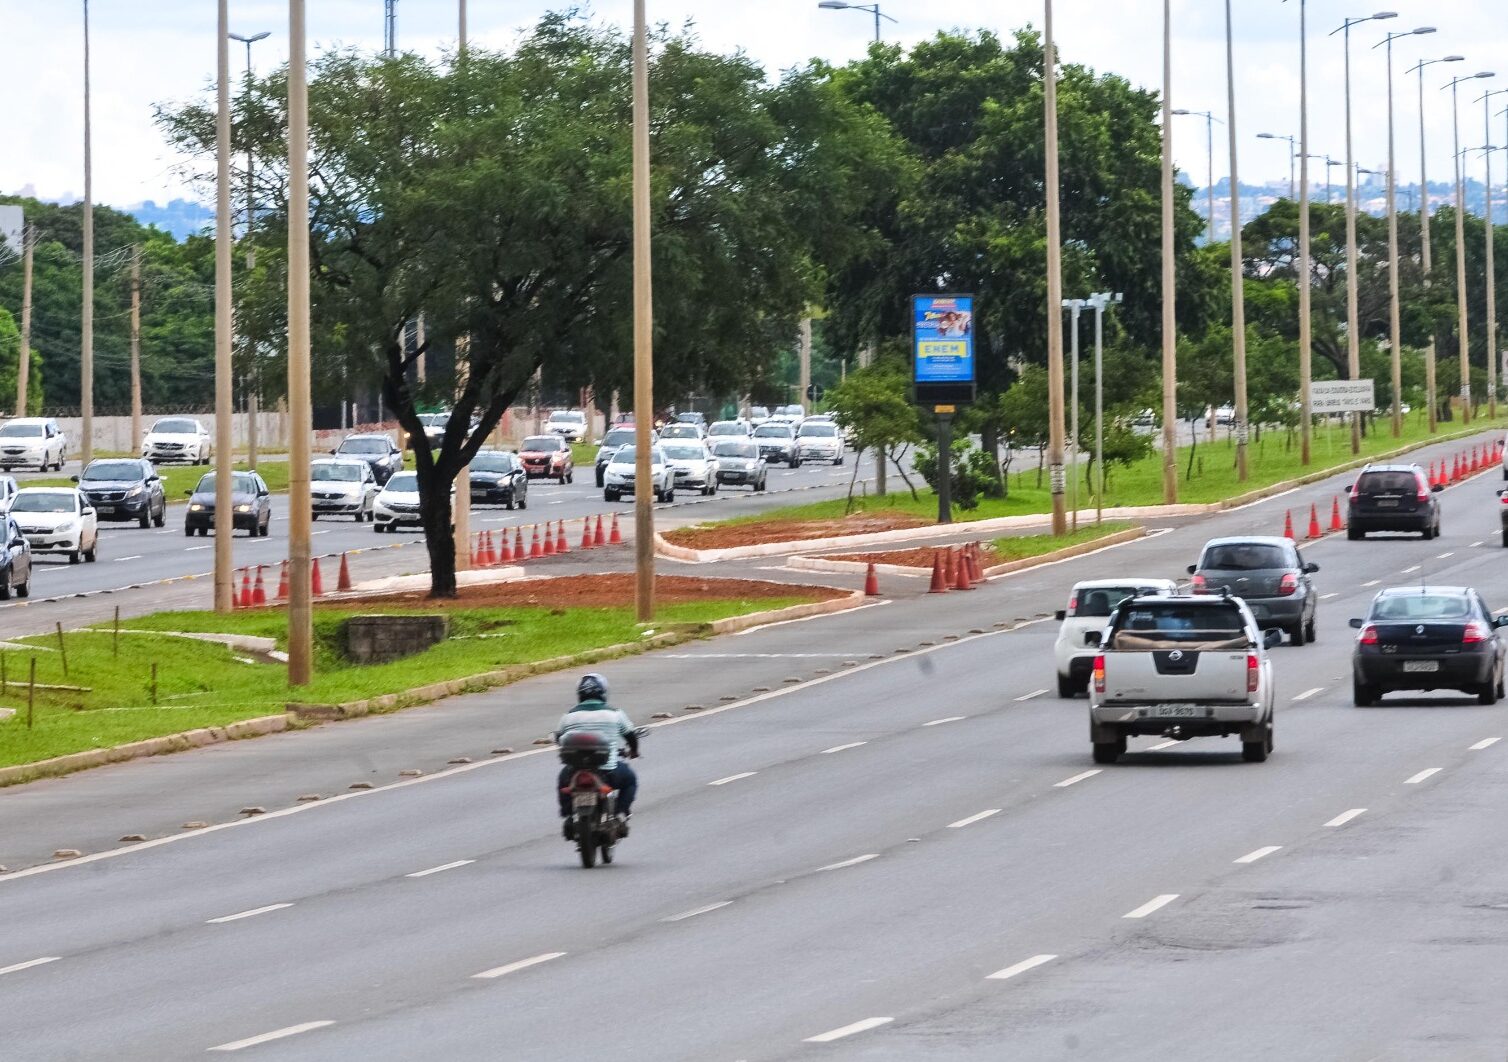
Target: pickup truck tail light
[1289,585]
[1253,672]
[1099,674]
[1197,584]
[1474,632]
[1368,635]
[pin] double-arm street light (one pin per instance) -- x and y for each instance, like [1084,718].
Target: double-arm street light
[1462,335]
[843,5]
[1099,301]
[252,391]
[1209,157]
[1169,275]
[1306,286]
[1237,279]
[1329,165]
[1293,154]
[1432,395]
[1493,356]
[1353,341]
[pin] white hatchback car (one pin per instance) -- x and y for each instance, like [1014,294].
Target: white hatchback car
[178,439]
[820,441]
[569,423]
[618,478]
[32,441]
[1089,607]
[57,520]
[695,467]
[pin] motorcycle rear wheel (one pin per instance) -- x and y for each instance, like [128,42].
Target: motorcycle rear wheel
[607,854]
[586,842]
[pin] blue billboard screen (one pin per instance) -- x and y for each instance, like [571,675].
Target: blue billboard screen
[943,338]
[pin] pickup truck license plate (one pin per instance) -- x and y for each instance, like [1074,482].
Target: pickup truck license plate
[1175,710]
[1421,665]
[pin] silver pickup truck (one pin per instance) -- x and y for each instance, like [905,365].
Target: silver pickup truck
[1182,667]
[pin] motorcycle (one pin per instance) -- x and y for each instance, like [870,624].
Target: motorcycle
[595,825]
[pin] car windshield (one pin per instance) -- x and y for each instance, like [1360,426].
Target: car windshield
[20,431]
[629,454]
[434,420]
[544,442]
[492,463]
[821,431]
[568,417]
[772,431]
[365,446]
[404,483]
[116,470]
[43,501]
[175,427]
[335,472]
[240,483]
[1421,606]
[680,431]
[727,427]
[618,437]
[1246,557]
[1101,600]
[758,411]
[735,449]
[685,453]
[1387,482]
[1179,623]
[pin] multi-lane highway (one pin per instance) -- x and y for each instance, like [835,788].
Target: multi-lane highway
[880,838]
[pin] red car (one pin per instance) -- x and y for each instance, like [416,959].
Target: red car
[547,457]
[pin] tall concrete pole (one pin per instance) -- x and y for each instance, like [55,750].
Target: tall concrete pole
[461,518]
[300,618]
[1492,301]
[461,44]
[23,365]
[1169,276]
[1075,307]
[136,347]
[1353,340]
[1054,281]
[644,412]
[1395,325]
[1237,278]
[86,324]
[224,323]
[1463,336]
[1431,393]
[1306,345]
[804,363]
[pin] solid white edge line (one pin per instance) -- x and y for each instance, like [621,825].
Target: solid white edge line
[1154,904]
[1485,743]
[855,861]
[1308,693]
[1029,696]
[698,911]
[1020,967]
[276,1034]
[246,914]
[961,823]
[848,1030]
[946,719]
[805,619]
[734,778]
[513,967]
[18,967]
[842,748]
[1411,570]
[1345,817]
[1065,783]
[438,869]
[1252,857]
[301,809]
[1428,772]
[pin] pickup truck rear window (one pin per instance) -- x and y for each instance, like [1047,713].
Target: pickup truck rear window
[1172,626]
[1101,600]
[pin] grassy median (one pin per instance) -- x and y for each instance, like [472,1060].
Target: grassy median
[179,480]
[106,696]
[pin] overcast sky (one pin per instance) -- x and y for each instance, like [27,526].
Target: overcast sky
[163,50]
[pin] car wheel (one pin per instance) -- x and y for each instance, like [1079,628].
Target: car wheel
[1488,694]
[92,553]
[670,495]
[523,503]
[161,517]
[760,486]
[74,557]
[188,532]
[267,527]
[508,505]
[1363,696]
[599,477]
[1296,633]
[5,587]
[23,590]
[609,495]
[1354,535]
[571,476]
[838,460]
[145,519]
[1067,687]
[1427,534]
[562,479]
[1109,751]
[1309,629]
[1257,751]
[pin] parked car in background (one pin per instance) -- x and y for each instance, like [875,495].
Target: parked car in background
[1428,638]
[739,462]
[758,415]
[1268,574]
[1392,498]
[251,504]
[398,503]
[1089,607]
[376,450]
[730,429]
[820,441]
[8,488]
[693,417]
[35,441]
[568,424]
[498,478]
[342,487]
[124,489]
[611,442]
[682,430]
[548,457]
[694,466]
[178,439]
[434,425]
[777,442]
[15,560]
[57,520]
[622,472]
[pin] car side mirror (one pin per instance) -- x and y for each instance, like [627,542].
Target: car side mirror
[1272,638]
[1311,568]
[332,451]
[188,494]
[1500,621]
[1192,568]
[75,479]
[1061,614]
[1356,623]
[86,511]
[1438,487]
[1093,639]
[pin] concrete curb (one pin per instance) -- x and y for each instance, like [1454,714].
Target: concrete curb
[188,739]
[834,564]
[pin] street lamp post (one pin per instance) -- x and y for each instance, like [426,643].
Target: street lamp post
[300,614]
[224,322]
[86,322]
[1293,154]
[1237,280]
[644,517]
[1329,165]
[1431,393]
[1353,341]
[1493,356]
[1169,274]
[843,5]
[1075,307]
[1099,300]
[1054,277]
[1209,158]
[1395,325]
[1463,336]
[252,391]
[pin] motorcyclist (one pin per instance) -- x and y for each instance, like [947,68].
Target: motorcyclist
[593,714]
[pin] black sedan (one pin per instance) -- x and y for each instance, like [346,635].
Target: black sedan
[1428,638]
[124,489]
[250,500]
[15,560]
[376,450]
[498,478]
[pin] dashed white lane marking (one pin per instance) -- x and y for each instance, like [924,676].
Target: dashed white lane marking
[1308,693]
[848,1030]
[247,914]
[946,719]
[196,549]
[440,868]
[1159,748]
[1327,597]
[756,656]
[29,964]
[855,861]
[698,911]
[1260,853]
[1020,967]
[961,823]
[1422,775]
[734,778]
[276,1034]
[514,967]
[1485,743]
[1029,696]
[1374,582]
[1411,569]
[1345,817]
[122,560]
[1442,556]
[1065,783]
[1474,544]
[1157,903]
[843,748]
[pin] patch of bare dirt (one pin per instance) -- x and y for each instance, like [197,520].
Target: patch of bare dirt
[723,536]
[614,590]
[918,557]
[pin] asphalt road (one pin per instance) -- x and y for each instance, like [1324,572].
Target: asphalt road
[899,855]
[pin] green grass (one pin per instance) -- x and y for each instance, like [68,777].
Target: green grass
[1020,547]
[583,455]
[203,684]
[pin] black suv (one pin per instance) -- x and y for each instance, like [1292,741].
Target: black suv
[124,489]
[1393,498]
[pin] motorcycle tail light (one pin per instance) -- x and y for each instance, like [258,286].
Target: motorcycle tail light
[1289,585]
[1474,632]
[1368,635]
[1253,672]
[1099,674]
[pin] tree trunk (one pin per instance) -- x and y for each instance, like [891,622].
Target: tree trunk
[902,471]
[879,471]
[989,440]
[858,461]
[1193,446]
[439,542]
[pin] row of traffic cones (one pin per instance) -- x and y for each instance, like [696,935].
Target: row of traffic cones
[254,592]
[1314,531]
[485,553]
[956,568]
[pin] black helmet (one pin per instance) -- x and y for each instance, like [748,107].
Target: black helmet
[592,687]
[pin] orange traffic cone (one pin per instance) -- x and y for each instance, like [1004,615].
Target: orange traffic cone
[259,589]
[1455,468]
[490,552]
[316,582]
[343,580]
[549,543]
[245,599]
[504,551]
[518,546]
[961,573]
[1288,524]
[283,583]
[939,577]
[535,550]
[1430,475]
[872,581]
[1336,524]
[1476,459]
[616,538]
[561,545]
[976,566]
[586,533]
[598,539]
[1314,527]
[476,549]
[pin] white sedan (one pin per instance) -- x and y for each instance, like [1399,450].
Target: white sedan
[618,478]
[32,441]
[397,503]
[820,442]
[57,520]
[694,467]
[178,439]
